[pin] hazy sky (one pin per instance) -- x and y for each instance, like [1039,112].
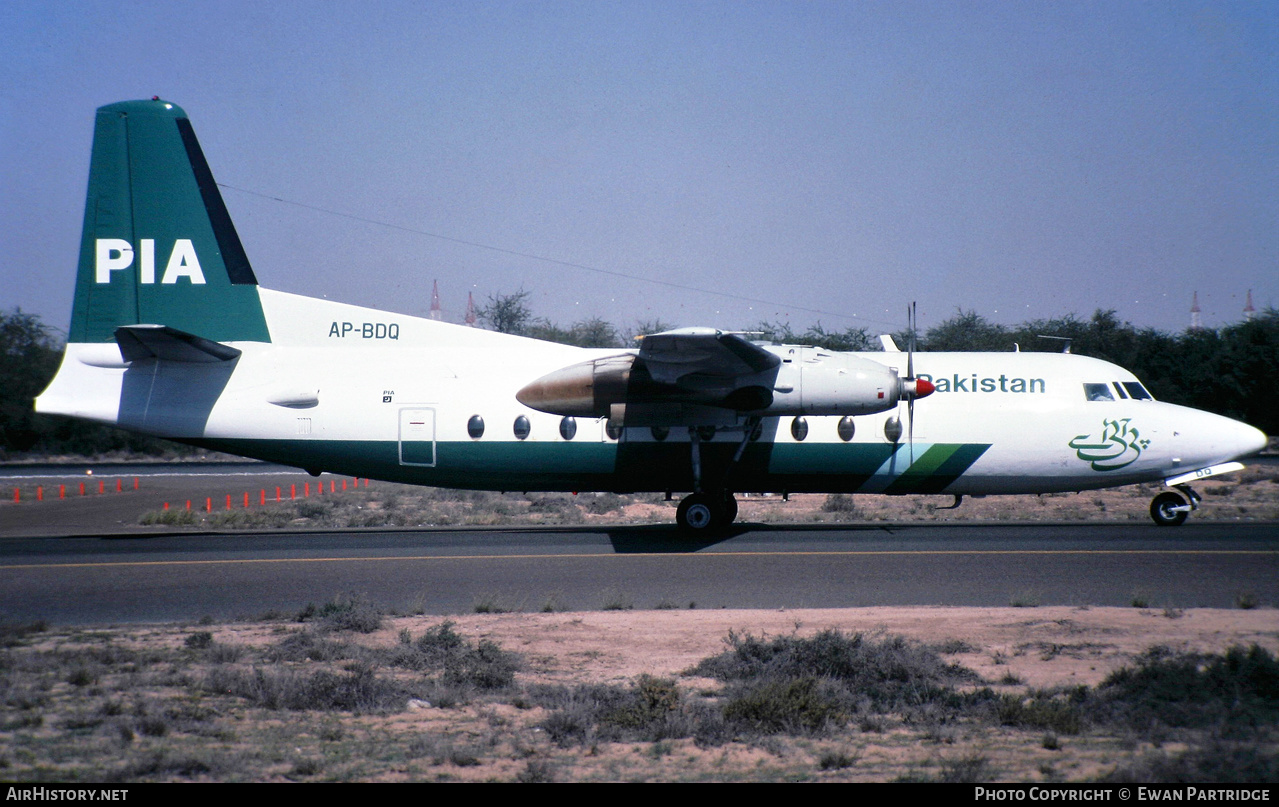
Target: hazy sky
[830,161]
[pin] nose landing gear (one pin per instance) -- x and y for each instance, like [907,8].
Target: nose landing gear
[1170,509]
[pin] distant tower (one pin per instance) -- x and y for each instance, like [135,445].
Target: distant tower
[470,310]
[435,301]
[1196,320]
[1248,311]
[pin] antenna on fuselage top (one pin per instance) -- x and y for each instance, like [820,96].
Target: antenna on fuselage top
[1067,339]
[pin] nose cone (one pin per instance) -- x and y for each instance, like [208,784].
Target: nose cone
[923,388]
[1250,440]
[1201,439]
[1224,438]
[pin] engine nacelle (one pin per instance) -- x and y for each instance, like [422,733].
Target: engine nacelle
[807,381]
[581,390]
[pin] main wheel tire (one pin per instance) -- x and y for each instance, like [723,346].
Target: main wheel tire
[730,509]
[700,513]
[1164,510]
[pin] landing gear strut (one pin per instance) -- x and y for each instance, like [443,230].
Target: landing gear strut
[710,511]
[1170,509]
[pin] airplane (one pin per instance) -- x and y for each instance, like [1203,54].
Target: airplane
[172,336]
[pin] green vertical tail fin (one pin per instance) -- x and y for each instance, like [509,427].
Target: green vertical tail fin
[158,244]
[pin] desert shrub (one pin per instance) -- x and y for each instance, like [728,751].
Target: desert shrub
[349,613]
[1060,712]
[1216,762]
[550,504]
[169,518]
[651,700]
[199,640]
[161,764]
[836,760]
[574,713]
[791,705]
[839,503]
[307,645]
[967,769]
[649,710]
[603,503]
[456,661]
[16,634]
[888,672]
[313,508]
[361,691]
[536,771]
[1237,690]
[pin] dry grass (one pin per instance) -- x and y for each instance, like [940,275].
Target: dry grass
[585,697]
[1252,495]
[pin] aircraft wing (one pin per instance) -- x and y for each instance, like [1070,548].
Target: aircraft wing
[703,358]
[673,369]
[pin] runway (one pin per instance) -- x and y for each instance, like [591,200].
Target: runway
[91,580]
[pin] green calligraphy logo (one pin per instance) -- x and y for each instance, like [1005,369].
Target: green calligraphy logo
[1120,446]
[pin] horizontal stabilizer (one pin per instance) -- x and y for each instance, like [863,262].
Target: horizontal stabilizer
[139,342]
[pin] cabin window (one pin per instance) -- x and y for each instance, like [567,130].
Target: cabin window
[1098,392]
[475,427]
[799,429]
[660,433]
[568,428]
[846,428]
[522,427]
[893,429]
[706,433]
[1137,391]
[613,430]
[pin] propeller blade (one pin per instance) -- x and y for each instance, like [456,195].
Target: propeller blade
[910,375]
[910,349]
[910,426]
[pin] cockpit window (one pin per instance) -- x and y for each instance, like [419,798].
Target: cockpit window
[1119,388]
[1098,392]
[1137,391]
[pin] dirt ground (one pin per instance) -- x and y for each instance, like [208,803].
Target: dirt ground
[1045,646]
[80,719]
[55,727]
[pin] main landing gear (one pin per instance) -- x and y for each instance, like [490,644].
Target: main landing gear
[706,512]
[1171,509]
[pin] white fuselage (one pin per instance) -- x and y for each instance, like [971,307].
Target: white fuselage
[355,390]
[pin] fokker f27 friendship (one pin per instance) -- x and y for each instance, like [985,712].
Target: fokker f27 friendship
[172,336]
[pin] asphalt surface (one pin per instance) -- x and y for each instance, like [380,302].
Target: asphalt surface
[83,560]
[185,577]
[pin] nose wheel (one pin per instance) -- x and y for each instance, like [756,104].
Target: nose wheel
[1170,509]
[703,513]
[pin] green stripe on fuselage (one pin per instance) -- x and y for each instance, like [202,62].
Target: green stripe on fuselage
[940,465]
[647,466]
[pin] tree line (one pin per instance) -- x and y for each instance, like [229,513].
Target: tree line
[1233,371]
